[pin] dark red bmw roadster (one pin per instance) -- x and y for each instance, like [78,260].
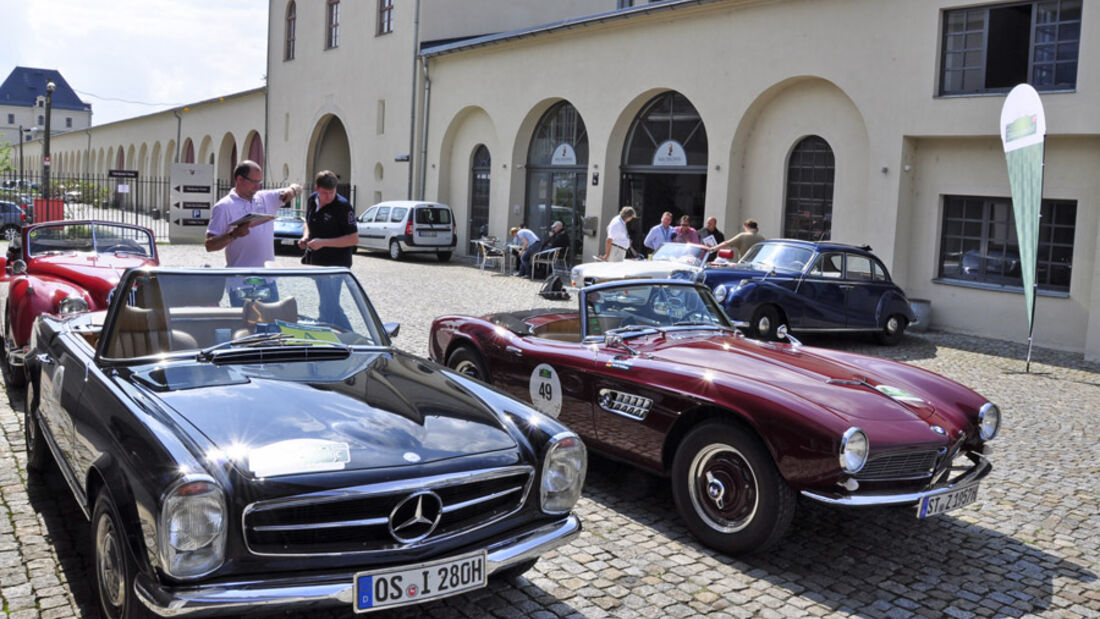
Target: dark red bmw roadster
[653,372]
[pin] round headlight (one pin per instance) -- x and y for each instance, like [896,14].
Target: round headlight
[191,529]
[72,304]
[989,421]
[563,470]
[854,447]
[720,292]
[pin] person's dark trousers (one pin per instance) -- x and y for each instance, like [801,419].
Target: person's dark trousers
[525,259]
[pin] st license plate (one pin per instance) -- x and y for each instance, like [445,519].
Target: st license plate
[428,233]
[940,503]
[289,242]
[413,584]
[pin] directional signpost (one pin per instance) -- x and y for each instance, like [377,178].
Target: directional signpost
[191,198]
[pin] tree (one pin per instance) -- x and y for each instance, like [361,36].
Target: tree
[5,157]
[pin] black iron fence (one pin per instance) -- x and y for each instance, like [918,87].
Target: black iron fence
[144,201]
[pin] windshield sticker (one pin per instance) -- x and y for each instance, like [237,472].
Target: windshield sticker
[899,394]
[621,363]
[300,455]
[546,390]
[307,332]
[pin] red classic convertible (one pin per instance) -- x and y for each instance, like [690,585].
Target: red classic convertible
[65,267]
[653,372]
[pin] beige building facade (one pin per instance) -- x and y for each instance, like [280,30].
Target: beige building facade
[219,131]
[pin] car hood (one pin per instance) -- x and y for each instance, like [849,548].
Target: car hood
[634,269]
[717,274]
[372,410]
[884,392]
[97,273]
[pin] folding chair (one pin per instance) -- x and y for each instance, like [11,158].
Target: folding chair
[546,258]
[488,252]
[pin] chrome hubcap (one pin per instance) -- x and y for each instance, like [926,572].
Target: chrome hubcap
[724,489]
[892,325]
[109,564]
[764,325]
[469,368]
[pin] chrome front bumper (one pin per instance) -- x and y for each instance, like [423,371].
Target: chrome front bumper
[969,478]
[330,589]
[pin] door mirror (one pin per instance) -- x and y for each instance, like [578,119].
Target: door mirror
[392,328]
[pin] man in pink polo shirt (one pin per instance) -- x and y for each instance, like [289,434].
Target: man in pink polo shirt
[247,245]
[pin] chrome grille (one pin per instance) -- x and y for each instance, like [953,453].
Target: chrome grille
[356,520]
[906,465]
[628,405]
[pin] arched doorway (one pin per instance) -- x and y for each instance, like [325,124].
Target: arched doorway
[808,213]
[665,163]
[480,175]
[557,173]
[331,151]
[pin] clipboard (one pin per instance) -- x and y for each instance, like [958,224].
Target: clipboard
[253,219]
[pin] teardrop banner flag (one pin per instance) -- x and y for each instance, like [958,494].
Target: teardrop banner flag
[1023,133]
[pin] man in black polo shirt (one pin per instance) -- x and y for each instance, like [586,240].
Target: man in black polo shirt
[329,238]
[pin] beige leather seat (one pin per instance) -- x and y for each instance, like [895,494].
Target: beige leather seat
[140,332]
[259,311]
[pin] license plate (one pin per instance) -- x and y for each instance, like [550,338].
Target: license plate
[413,584]
[940,503]
[426,232]
[289,242]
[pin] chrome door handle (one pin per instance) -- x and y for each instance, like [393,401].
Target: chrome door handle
[515,351]
[44,359]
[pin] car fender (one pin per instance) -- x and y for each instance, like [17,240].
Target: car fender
[742,303]
[139,523]
[894,303]
[31,296]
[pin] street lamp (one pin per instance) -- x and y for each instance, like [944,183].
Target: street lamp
[46,146]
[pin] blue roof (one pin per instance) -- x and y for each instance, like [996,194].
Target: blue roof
[25,84]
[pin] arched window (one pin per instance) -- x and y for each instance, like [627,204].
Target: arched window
[809,209]
[480,177]
[291,22]
[557,174]
[332,24]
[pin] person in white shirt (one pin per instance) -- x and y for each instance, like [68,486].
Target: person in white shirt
[661,233]
[618,238]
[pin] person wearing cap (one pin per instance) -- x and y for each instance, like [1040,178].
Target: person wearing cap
[558,237]
[618,238]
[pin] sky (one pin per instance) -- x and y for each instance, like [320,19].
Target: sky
[163,52]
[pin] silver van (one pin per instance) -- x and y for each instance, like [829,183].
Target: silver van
[408,226]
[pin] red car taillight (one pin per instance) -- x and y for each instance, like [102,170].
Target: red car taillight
[409,228]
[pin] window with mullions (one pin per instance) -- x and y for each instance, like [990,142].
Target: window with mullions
[993,48]
[978,242]
[291,24]
[332,24]
[385,16]
[810,172]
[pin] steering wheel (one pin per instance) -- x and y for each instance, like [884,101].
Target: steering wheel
[797,264]
[128,247]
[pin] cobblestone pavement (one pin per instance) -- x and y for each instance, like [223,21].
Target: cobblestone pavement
[1030,545]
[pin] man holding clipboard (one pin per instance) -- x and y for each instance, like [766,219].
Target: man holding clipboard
[241,222]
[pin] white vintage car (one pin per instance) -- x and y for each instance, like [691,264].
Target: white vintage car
[672,260]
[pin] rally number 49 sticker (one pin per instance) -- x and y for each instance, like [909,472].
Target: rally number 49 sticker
[546,390]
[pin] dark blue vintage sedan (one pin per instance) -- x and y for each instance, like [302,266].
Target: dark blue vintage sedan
[289,225]
[822,287]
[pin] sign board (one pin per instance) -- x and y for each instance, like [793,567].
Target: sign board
[123,188]
[190,200]
[670,153]
[122,173]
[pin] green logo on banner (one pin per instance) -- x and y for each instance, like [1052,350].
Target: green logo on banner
[1021,128]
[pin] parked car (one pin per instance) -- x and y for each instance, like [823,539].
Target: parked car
[289,225]
[260,457]
[679,260]
[812,287]
[405,226]
[65,267]
[12,219]
[653,373]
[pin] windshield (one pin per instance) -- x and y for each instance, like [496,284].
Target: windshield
[683,253]
[765,256]
[169,312]
[651,305]
[96,237]
[287,213]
